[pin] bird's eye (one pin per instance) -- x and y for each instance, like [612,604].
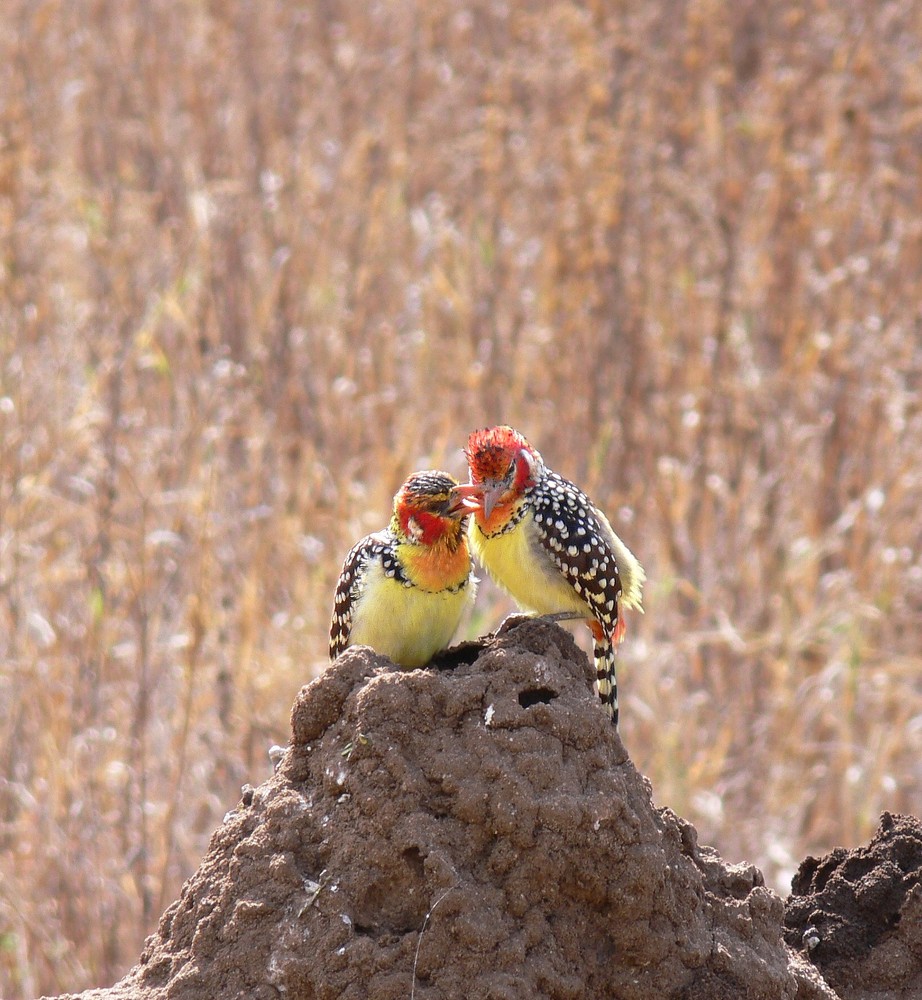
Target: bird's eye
[510,472]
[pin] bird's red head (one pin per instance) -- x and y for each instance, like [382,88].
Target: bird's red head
[427,509]
[502,466]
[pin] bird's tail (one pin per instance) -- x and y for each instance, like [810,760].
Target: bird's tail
[604,653]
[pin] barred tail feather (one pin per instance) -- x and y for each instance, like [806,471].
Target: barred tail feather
[604,652]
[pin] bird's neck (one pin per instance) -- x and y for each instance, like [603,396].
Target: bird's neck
[443,565]
[502,518]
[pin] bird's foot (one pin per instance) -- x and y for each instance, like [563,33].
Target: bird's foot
[518,618]
[563,616]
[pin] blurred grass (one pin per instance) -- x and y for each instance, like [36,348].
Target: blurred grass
[258,262]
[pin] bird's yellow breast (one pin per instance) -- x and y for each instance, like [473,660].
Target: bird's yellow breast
[519,564]
[408,624]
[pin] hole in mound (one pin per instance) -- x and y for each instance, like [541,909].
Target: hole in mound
[464,652]
[414,860]
[536,696]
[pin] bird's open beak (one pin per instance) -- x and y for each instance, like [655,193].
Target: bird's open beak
[465,497]
[481,496]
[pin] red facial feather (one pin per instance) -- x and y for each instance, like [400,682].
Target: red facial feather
[491,450]
[429,527]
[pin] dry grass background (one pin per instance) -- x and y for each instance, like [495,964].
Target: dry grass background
[260,260]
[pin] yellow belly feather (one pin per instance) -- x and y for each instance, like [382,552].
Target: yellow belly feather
[527,575]
[410,625]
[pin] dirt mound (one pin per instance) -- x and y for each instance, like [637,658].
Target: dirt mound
[858,914]
[472,830]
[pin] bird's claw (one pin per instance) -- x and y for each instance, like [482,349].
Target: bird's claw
[518,618]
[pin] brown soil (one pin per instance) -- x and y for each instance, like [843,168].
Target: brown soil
[477,830]
[858,914]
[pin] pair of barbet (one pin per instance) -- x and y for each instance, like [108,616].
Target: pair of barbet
[403,590]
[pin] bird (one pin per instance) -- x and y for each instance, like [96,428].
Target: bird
[403,590]
[544,542]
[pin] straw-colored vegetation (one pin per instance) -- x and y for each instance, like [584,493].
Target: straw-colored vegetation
[258,261]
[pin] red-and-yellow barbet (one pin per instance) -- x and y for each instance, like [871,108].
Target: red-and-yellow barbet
[544,541]
[403,590]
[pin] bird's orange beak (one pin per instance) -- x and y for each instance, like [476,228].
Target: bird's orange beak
[465,497]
